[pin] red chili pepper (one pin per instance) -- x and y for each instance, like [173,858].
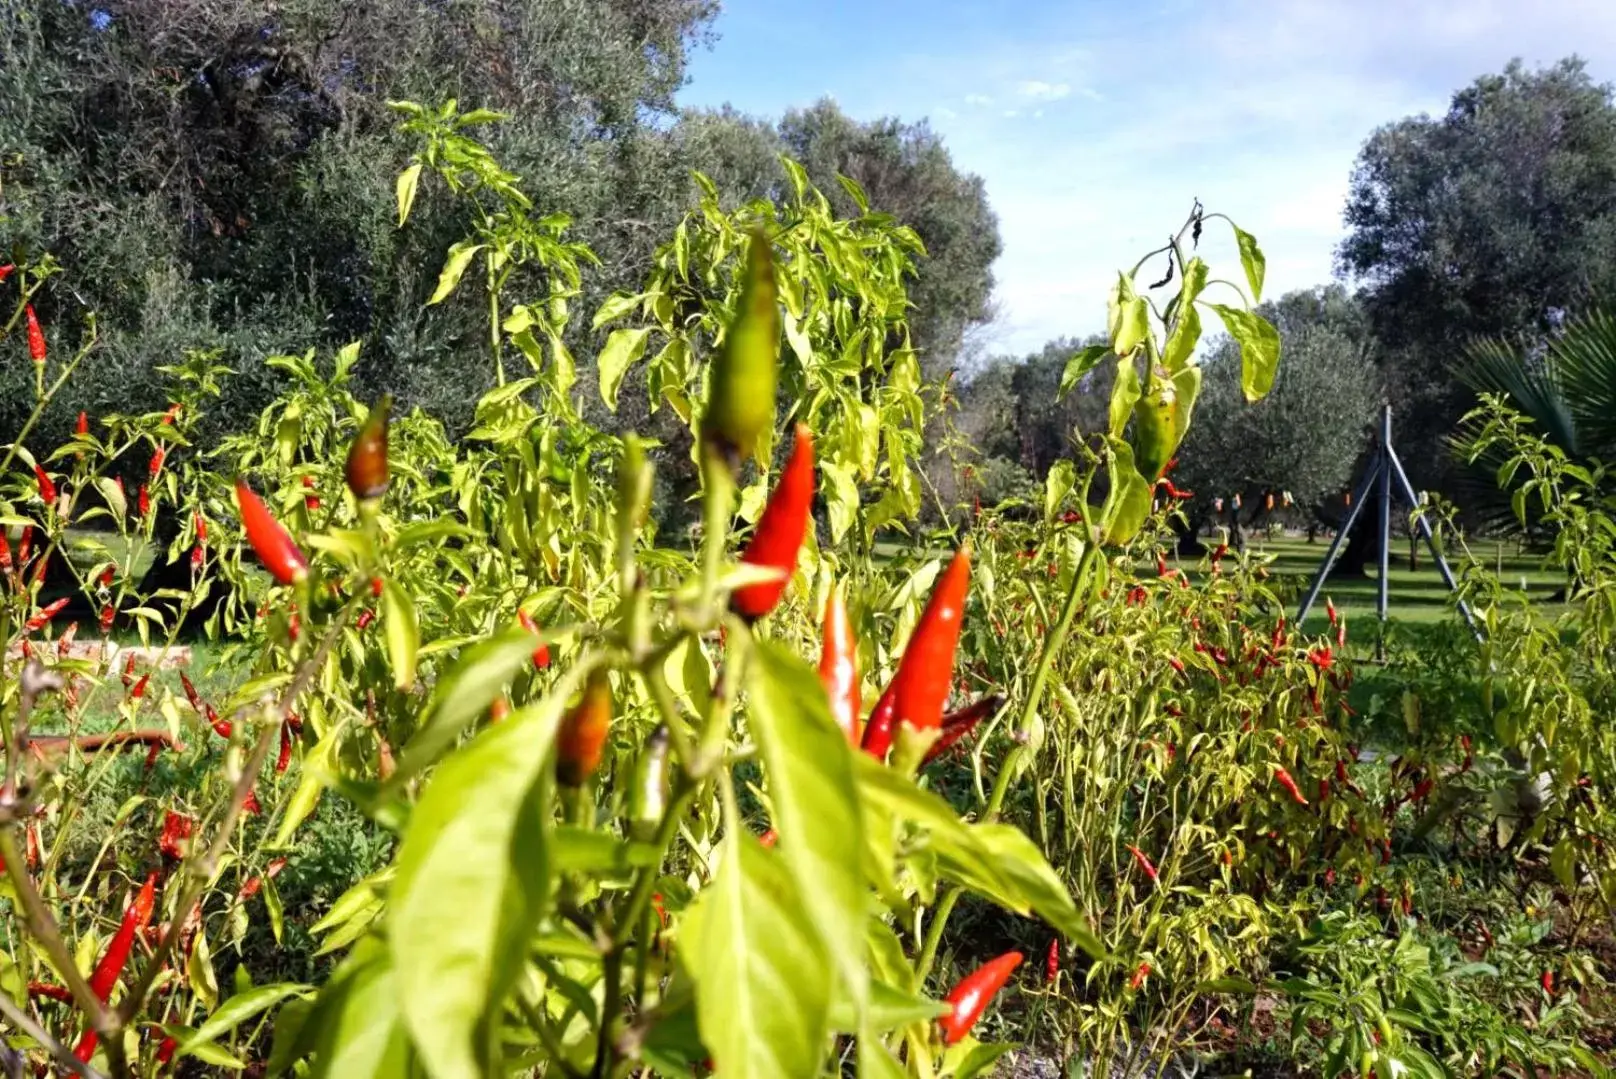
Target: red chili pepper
[1052,962]
[311,502]
[156,464]
[366,467]
[1289,784]
[838,666]
[140,687]
[927,668]
[253,884]
[65,642]
[1139,975]
[45,614]
[1324,789]
[5,551]
[1329,609]
[1341,634]
[249,804]
[82,428]
[201,524]
[583,732]
[1469,755]
[107,971]
[143,502]
[177,830]
[272,542]
[47,489]
[971,996]
[1422,789]
[128,670]
[376,587]
[50,992]
[769,838]
[5,272]
[541,654]
[1321,657]
[366,617]
[961,721]
[780,530]
[1176,663]
[221,727]
[197,558]
[1547,982]
[36,336]
[877,738]
[285,756]
[1144,863]
[499,709]
[1329,877]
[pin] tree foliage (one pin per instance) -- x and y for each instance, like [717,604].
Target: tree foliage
[1492,220]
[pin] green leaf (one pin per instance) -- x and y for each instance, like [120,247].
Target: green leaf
[809,764]
[408,181]
[581,850]
[354,1030]
[1259,349]
[1036,884]
[888,1009]
[465,693]
[842,498]
[1079,365]
[622,348]
[1124,395]
[1563,862]
[1252,261]
[1130,319]
[472,883]
[316,763]
[238,1009]
[403,635]
[1185,336]
[114,496]
[1127,505]
[875,1061]
[460,256]
[615,307]
[761,972]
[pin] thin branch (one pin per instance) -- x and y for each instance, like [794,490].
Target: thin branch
[26,1024]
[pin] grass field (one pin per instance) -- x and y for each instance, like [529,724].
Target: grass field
[1414,596]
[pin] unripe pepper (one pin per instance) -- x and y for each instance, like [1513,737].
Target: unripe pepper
[366,467]
[272,542]
[838,666]
[105,977]
[971,996]
[926,670]
[780,530]
[648,797]
[583,732]
[740,406]
[36,336]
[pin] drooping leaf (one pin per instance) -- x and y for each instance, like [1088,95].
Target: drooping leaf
[809,765]
[471,884]
[454,267]
[238,1009]
[1079,365]
[1252,261]
[762,975]
[1259,349]
[622,348]
[408,181]
[403,635]
[354,1029]
[464,693]
[1124,395]
[1130,318]
[1127,505]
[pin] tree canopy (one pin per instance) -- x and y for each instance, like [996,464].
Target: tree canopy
[1493,220]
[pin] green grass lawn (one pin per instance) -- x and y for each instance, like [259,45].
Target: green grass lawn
[1414,596]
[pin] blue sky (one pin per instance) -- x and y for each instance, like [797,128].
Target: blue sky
[1094,124]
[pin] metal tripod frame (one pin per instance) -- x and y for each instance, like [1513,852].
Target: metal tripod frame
[1384,470]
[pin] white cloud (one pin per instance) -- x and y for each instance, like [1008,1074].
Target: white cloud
[943,112]
[1012,113]
[978,99]
[1044,91]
